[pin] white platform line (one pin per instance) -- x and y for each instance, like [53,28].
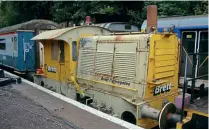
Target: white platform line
[80,105]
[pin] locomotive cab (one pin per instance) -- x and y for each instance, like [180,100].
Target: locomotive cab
[60,52]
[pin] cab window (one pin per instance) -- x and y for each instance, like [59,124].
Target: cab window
[62,51]
[74,51]
[54,51]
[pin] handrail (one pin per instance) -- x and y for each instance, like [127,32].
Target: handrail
[76,85]
[187,55]
[185,86]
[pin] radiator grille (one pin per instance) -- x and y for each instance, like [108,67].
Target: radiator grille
[104,62]
[86,61]
[125,65]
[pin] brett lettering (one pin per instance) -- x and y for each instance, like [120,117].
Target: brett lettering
[162,89]
[51,69]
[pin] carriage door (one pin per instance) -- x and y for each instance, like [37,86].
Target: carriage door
[189,43]
[62,61]
[203,58]
[15,50]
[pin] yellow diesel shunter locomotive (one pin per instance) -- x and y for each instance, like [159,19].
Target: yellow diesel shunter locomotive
[129,76]
[133,77]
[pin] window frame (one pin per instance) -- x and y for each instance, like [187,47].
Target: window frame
[15,44]
[54,51]
[74,51]
[3,42]
[62,51]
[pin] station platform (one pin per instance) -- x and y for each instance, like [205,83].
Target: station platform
[30,106]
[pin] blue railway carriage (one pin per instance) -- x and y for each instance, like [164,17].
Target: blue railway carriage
[192,32]
[18,53]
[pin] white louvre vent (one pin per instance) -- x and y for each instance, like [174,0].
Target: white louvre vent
[104,62]
[125,65]
[86,62]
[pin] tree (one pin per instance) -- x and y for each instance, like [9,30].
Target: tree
[180,8]
[13,12]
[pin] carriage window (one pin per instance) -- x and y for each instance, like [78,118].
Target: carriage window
[74,50]
[62,52]
[203,48]
[127,27]
[15,43]
[2,44]
[203,42]
[54,51]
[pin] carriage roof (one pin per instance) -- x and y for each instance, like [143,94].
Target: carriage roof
[181,22]
[30,25]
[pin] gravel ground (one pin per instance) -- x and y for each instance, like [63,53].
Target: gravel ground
[77,116]
[20,112]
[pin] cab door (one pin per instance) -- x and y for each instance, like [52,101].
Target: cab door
[62,61]
[189,43]
[15,50]
[202,59]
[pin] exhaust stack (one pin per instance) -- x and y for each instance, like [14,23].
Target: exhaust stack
[151,18]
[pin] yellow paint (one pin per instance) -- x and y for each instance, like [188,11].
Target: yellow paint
[76,85]
[167,40]
[185,120]
[164,51]
[164,63]
[164,57]
[197,112]
[164,75]
[49,62]
[162,68]
[163,44]
[179,125]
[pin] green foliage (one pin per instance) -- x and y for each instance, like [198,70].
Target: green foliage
[14,12]
[179,8]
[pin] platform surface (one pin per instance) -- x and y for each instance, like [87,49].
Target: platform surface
[20,112]
[23,106]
